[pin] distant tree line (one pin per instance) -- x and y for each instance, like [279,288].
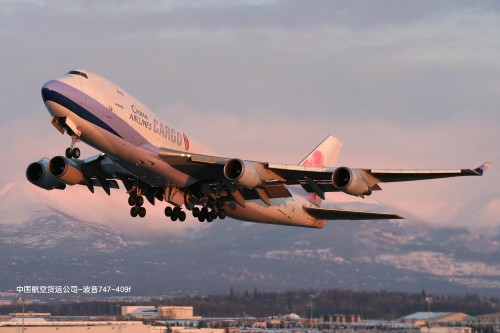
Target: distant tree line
[368,304]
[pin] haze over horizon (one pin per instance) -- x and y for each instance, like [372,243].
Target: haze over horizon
[403,85]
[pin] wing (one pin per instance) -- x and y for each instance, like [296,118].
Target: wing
[252,174]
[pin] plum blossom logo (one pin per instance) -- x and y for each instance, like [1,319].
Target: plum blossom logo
[186,141]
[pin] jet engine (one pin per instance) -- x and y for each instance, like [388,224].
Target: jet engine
[66,170]
[37,173]
[350,181]
[243,173]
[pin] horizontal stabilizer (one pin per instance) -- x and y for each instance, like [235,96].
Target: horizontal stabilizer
[482,168]
[337,214]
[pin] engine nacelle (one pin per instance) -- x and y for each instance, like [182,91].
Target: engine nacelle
[37,173]
[243,173]
[350,181]
[66,170]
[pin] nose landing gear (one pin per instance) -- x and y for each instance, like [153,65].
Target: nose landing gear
[72,151]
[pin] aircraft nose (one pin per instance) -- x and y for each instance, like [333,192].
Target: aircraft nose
[48,90]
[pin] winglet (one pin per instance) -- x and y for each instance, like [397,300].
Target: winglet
[482,168]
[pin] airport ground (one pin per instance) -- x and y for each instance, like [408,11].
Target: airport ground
[379,305]
[330,311]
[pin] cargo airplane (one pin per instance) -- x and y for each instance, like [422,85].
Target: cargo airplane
[161,163]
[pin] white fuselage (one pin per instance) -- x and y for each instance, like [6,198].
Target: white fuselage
[112,121]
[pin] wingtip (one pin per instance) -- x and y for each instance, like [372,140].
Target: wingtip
[480,170]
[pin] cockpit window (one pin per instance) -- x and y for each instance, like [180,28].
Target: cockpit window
[78,73]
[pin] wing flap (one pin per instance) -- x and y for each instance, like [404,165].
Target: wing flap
[338,214]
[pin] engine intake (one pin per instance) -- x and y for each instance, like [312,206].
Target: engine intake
[350,181]
[66,170]
[37,174]
[243,173]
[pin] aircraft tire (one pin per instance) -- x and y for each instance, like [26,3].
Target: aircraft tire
[75,152]
[182,216]
[139,201]
[201,218]
[196,212]
[204,211]
[142,211]
[131,201]
[222,214]
[68,152]
[175,214]
[134,211]
[168,211]
[213,214]
[209,219]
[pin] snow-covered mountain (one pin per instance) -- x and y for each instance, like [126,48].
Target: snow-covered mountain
[46,243]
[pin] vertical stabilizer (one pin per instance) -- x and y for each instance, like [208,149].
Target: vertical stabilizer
[326,154]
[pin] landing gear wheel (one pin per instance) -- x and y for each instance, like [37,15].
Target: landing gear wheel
[209,218]
[131,201]
[142,211]
[134,211]
[175,213]
[204,211]
[182,216]
[139,201]
[168,211]
[75,153]
[196,212]
[213,214]
[68,152]
[221,214]
[201,218]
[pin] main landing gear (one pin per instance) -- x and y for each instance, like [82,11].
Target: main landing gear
[72,151]
[136,202]
[175,213]
[209,212]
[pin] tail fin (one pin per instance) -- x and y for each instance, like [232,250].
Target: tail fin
[326,154]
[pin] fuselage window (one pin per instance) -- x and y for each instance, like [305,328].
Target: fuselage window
[78,73]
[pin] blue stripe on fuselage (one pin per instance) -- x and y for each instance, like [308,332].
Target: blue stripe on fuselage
[62,99]
[72,98]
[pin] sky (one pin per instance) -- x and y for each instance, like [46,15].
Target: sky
[404,84]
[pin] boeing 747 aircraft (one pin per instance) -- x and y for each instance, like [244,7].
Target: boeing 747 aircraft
[158,161]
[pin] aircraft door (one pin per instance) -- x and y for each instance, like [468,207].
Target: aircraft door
[109,115]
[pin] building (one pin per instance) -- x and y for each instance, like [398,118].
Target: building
[492,319]
[31,326]
[169,313]
[437,329]
[177,313]
[438,318]
[30,314]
